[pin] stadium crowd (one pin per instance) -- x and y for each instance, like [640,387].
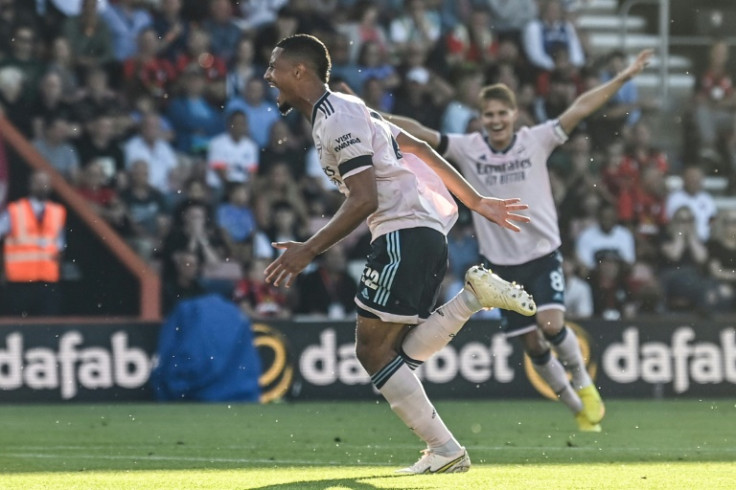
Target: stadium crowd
[156,111]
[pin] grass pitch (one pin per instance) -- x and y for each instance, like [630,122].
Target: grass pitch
[358,445]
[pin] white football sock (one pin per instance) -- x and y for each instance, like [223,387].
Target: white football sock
[552,372]
[404,392]
[440,328]
[567,348]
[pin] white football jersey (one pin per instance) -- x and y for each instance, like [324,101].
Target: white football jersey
[519,171]
[349,139]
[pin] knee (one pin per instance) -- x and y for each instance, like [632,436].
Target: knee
[373,355]
[535,345]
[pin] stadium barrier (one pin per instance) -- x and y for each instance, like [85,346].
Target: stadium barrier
[112,361]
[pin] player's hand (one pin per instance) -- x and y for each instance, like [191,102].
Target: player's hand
[641,62]
[502,211]
[285,269]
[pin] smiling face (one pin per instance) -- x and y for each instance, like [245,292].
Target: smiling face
[498,119]
[279,75]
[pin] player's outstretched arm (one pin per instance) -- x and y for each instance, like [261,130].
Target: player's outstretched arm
[415,128]
[500,211]
[592,100]
[360,203]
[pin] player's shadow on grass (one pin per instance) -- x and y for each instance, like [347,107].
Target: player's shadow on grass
[358,483]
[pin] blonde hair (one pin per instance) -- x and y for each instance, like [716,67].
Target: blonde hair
[500,92]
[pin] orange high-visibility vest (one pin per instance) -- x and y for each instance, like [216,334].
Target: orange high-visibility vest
[31,247]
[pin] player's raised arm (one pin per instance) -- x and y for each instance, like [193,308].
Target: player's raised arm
[500,211]
[592,100]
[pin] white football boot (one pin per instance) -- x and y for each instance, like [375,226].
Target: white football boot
[494,292]
[431,462]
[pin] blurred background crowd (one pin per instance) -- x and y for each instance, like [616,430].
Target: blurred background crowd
[156,112]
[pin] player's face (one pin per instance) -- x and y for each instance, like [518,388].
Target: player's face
[498,119]
[278,74]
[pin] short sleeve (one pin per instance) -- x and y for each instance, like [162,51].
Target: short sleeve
[349,138]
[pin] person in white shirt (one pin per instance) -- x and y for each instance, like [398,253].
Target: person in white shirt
[504,162]
[408,221]
[692,195]
[150,147]
[232,156]
[605,235]
[551,32]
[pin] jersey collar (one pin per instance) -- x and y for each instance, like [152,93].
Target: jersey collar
[317,104]
[499,152]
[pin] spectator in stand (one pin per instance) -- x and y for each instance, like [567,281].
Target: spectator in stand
[609,287]
[283,225]
[61,61]
[193,230]
[344,69]
[55,147]
[146,207]
[148,146]
[171,29]
[125,20]
[714,101]
[640,153]
[510,17]
[605,235]
[463,107]
[259,14]
[89,38]
[241,68]
[375,95]
[698,200]
[682,272]
[194,119]
[624,107]
[232,156]
[235,218]
[222,29]
[96,96]
[9,16]
[257,298]
[327,291]
[34,231]
[23,56]
[362,26]
[146,72]
[11,104]
[142,106]
[283,147]
[102,199]
[418,23]
[50,101]
[185,282]
[722,258]
[562,91]
[257,108]
[642,209]
[100,144]
[199,55]
[578,293]
[472,43]
[373,63]
[420,98]
[542,37]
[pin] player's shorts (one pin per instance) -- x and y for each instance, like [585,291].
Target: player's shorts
[543,279]
[402,277]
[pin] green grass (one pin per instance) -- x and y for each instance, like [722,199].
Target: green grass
[513,444]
